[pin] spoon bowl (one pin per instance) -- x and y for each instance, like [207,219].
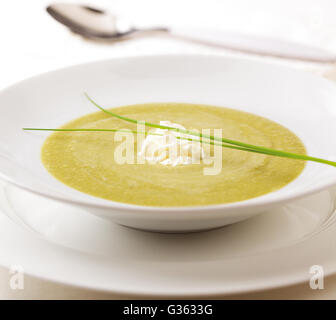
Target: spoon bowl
[95,23]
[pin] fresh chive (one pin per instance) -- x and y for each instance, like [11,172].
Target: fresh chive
[224,142]
[77,129]
[247,146]
[138,132]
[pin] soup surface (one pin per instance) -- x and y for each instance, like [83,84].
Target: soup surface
[85,160]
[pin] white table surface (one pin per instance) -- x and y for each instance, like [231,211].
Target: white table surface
[31,42]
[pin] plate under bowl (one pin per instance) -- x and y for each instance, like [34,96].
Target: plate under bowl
[277,248]
[298,100]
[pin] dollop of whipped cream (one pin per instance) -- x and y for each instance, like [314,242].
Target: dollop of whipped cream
[167,149]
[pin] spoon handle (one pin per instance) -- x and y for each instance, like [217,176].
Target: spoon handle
[256,45]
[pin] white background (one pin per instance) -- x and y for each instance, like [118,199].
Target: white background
[31,42]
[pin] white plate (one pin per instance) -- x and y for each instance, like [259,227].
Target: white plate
[67,245]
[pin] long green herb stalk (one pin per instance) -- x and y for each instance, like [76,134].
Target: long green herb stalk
[213,140]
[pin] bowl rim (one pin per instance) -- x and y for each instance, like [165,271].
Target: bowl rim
[251,203]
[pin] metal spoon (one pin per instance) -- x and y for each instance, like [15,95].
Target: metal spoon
[94,23]
[97,24]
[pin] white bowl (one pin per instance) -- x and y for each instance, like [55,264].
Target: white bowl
[304,103]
